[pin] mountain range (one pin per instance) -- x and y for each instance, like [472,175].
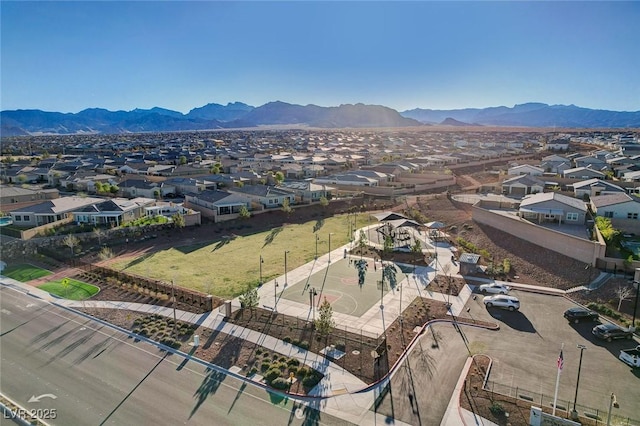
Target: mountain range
[239,115]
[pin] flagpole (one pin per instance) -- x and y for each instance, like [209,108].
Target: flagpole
[560,364]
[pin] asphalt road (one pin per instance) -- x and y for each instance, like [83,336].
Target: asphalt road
[99,376]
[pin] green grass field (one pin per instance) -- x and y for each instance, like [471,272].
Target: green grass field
[25,272]
[75,290]
[227,265]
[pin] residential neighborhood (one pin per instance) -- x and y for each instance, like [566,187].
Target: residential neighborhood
[442,215]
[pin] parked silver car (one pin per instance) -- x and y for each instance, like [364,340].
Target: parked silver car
[494,288]
[500,301]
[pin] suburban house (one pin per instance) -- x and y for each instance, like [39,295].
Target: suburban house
[594,187]
[17,197]
[525,169]
[583,173]
[522,185]
[51,211]
[308,192]
[217,205]
[555,164]
[553,207]
[144,188]
[616,206]
[591,162]
[267,196]
[347,180]
[113,212]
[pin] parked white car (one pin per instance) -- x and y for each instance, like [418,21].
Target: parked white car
[500,301]
[494,288]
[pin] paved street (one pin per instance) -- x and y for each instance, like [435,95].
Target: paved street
[99,376]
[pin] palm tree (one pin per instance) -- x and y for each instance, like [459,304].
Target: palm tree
[361,266]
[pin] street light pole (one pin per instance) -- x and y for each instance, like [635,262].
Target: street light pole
[635,305]
[285,269]
[317,238]
[613,403]
[173,297]
[261,262]
[574,413]
[330,246]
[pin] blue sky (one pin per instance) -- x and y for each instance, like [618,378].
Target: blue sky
[68,56]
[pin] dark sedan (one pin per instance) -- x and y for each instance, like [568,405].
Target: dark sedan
[610,332]
[577,315]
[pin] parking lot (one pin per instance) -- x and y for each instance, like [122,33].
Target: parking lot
[525,352]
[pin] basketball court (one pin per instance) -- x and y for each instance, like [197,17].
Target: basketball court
[341,287]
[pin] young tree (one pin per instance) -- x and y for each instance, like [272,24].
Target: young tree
[362,266]
[388,245]
[178,221]
[324,202]
[99,187]
[623,293]
[244,213]
[389,272]
[249,299]
[279,178]
[71,241]
[286,206]
[114,189]
[98,233]
[362,242]
[325,322]
[183,160]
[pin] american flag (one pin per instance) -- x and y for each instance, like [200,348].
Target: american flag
[560,361]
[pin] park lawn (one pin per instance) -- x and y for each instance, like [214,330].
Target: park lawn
[226,266]
[76,290]
[25,272]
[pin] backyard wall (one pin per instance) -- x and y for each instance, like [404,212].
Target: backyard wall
[568,245]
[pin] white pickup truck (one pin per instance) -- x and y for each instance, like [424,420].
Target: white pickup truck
[631,356]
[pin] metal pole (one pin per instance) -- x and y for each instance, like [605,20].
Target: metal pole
[275,296]
[173,297]
[261,262]
[612,403]
[330,246]
[574,413]
[635,306]
[317,238]
[285,269]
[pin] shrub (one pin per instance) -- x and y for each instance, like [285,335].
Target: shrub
[304,344]
[258,351]
[310,381]
[252,371]
[280,383]
[496,409]
[303,371]
[293,369]
[264,366]
[144,332]
[272,374]
[340,345]
[293,361]
[287,339]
